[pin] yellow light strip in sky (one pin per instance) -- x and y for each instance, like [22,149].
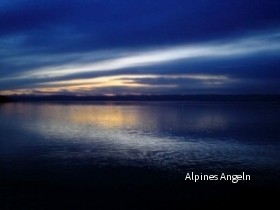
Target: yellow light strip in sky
[118,80]
[127,81]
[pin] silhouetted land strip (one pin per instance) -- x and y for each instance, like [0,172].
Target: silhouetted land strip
[33,98]
[4,99]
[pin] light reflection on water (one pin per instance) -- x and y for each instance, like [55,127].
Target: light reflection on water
[165,135]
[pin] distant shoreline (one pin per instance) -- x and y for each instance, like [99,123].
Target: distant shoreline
[63,98]
[5,99]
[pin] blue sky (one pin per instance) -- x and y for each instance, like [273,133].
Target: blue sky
[109,47]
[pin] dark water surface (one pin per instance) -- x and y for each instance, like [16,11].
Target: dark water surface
[135,155]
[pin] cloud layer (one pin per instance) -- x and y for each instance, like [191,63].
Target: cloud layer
[124,47]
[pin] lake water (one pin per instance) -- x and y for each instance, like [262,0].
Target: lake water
[135,154]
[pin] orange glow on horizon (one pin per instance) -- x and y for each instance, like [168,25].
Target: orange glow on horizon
[93,85]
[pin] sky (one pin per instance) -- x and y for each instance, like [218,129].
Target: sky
[120,47]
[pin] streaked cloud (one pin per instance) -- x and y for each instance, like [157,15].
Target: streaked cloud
[235,48]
